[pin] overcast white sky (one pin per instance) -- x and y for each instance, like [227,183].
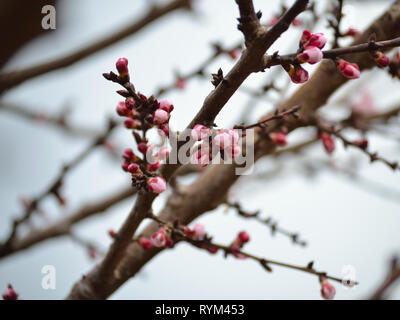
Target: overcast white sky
[343,223]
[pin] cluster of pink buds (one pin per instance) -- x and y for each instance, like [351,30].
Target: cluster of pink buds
[227,141]
[328,142]
[349,70]
[242,238]
[328,291]
[143,113]
[10,294]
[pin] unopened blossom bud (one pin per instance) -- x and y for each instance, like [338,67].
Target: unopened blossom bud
[279,138]
[316,40]
[10,294]
[311,55]
[305,36]
[166,105]
[297,74]
[157,184]
[188,232]
[133,168]
[122,67]
[111,233]
[226,138]
[272,21]
[163,153]
[328,291]
[160,116]
[233,151]
[200,132]
[235,251]
[145,243]
[142,147]
[132,123]
[180,83]
[125,166]
[243,237]
[198,232]
[380,59]
[154,166]
[122,110]
[212,249]
[349,70]
[130,103]
[234,53]
[201,156]
[164,130]
[352,32]
[297,22]
[128,154]
[159,238]
[328,142]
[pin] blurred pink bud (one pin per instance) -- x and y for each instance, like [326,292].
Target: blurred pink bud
[125,166]
[328,142]
[198,232]
[212,249]
[233,151]
[297,22]
[349,70]
[122,110]
[154,166]
[111,233]
[122,66]
[145,243]
[297,74]
[142,146]
[157,184]
[363,143]
[133,168]
[164,130]
[160,116]
[130,103]
[305,36]
[234,53]
[278,138]
[166,105]
[311,55]
[10,294]
[363,104]
[272,21]
[352,32]
[132,123]
[163,153]
[226,138]
[128,154]
[159,238]
[243,237]
[380,59]
[202,156]
[315,40]
[328,291]
[200,132]
[180,83]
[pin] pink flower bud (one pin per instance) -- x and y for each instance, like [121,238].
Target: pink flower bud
[180,83]
[111,233]
[163,153]
[349,70]
[133,168]
[164,130]
[166,105]
[278,138]
[130,103]
[159,238]
[200,132]
[311,55]
[122,67]
[328,291]
[297,74]
[233,151]
[243,237]
[226,138]
[157,184]
[10,294]
[297,22]
[122,110]
[125,166]
[132,123]
[142,146]
[154,166]
[381,59]
[272,21]
[316,40]
[212,249]
[234,54]
[328,142]
[363,105]
[128,154]
[305,36]
[363,143]
[145,243]
[160,116]
[201,156]
[198,232]
[235,251]
[352,32]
